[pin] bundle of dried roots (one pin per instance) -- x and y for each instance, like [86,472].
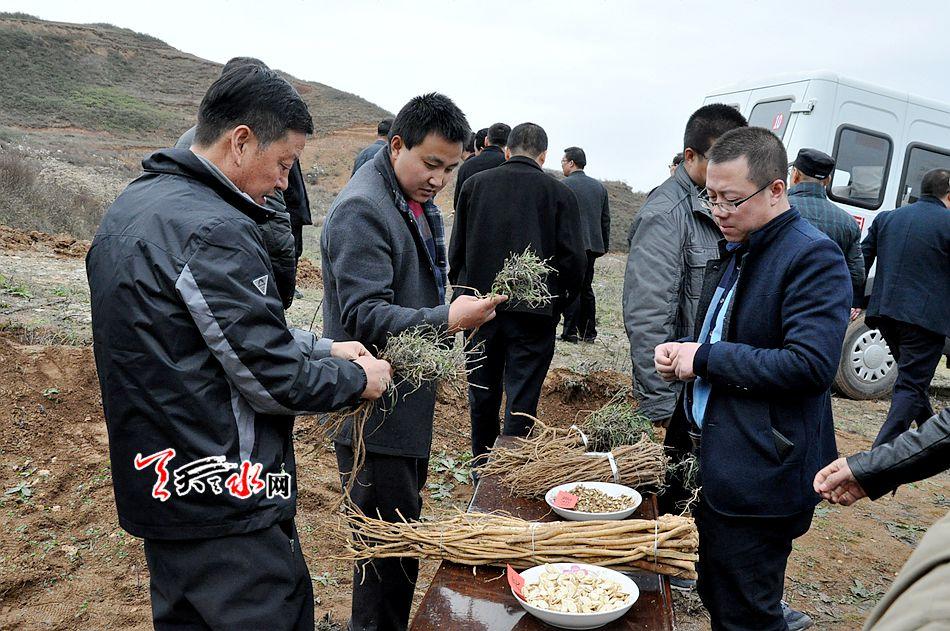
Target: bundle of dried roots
[419,356]
[667,545]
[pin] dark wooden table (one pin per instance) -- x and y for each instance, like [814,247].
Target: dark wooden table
[458,599]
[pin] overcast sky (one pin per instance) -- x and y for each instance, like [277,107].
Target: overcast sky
[618,78]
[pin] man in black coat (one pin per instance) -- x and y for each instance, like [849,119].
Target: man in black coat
[910,299]
[501,212]
[489,157]
[757,406]
[580,317]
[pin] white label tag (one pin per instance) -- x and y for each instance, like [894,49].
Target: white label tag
[261,284]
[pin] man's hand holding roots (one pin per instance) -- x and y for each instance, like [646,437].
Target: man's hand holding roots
[469,312]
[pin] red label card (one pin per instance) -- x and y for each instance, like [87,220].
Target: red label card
[516,582]
[565,500]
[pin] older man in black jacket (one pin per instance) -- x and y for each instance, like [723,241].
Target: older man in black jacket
[910,299]
[501,212]
[770,323]
[200,375]
[580,317]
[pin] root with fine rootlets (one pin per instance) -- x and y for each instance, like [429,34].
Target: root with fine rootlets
[419,355]
[550,456]
[667,545]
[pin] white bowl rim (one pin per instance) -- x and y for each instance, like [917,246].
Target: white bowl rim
[621,488]
[635,595]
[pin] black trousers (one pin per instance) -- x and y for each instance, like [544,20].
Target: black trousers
[257,580]
[741,567]
[917,352]
[382,589]
[580,317]
[517,349]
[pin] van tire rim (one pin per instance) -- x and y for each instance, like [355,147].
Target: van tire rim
[871,358]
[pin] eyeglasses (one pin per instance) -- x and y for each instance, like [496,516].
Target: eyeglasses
[725,205]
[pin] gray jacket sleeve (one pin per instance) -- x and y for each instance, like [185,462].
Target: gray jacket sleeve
[651,285]
[914,455]
[359,248]
[227,288]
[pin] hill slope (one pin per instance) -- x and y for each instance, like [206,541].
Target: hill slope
[103,78]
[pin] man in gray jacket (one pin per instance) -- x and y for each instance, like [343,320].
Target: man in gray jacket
[671,240]
[384,270]
[580,317]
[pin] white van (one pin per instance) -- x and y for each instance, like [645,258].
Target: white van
[882,141]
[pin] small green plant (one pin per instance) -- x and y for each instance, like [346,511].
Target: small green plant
[14,288]
[457,466]
[22,491]
[326,579]
[51,394]
[440,491]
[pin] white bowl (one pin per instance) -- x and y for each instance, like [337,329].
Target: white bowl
[580,620]
[609,488]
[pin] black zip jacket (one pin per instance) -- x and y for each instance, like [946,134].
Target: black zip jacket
[200,375]
[502,211]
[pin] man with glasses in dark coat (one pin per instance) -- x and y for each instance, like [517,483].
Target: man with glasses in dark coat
[756,409]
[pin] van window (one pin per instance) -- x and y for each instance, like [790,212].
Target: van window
[920,159]
[862,162]
[772,115]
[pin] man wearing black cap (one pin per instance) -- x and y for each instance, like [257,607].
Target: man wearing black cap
[809,176]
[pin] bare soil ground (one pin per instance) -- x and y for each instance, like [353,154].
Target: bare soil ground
[65,563]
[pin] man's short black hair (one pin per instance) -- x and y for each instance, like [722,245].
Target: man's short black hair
[470,144]
[428,114]
[498,134]
[577,156]
[237,62]
[677,159]
[480,137]
[384,126]
[762,149]
[253,96]
[709,123]
[528,139]
[936,183]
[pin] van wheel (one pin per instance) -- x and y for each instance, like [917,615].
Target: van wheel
[867,369]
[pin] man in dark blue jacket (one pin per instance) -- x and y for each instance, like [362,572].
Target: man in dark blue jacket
[771,320]
[200,375]
[368,153]
[910,299]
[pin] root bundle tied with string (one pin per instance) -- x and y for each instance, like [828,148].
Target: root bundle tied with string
[550,456]
[419,356]
[667,545]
